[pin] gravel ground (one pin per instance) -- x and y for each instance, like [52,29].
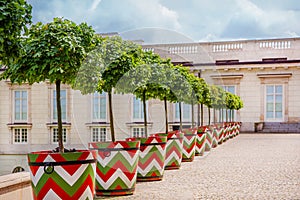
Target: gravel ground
[249,166]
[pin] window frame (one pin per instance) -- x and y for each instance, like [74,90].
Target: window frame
[274,119]
[99,134]
[21,112]
[102,95]
[183,105]
[21,135]
[141,112]
[53,105]
[139,130]
[64,130]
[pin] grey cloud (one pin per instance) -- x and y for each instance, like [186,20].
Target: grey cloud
[196,19]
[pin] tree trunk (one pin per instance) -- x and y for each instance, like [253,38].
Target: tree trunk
[202,114]
[222,117]
[180,117]
[198,115]
[111,117]
[208,108]
[214,115]
[226,115]
[166,115]
[145,113]
[193,119]
[59,120]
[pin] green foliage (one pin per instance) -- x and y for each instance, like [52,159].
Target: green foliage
[233,102]
[15,15]
[52,51]
[218,97]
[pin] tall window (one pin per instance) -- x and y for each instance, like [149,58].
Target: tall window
[99,134]
[63,100]
[231,89]
[185,110]
[20,105]
[138,132]
[20,136]
[55,135]
[99,106]
[274,102]
[138,111]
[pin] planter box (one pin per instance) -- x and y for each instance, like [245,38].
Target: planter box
[117,164]
[189,144]
[208,140]
[173,149]
[69,175]
[151,158]
[200,141]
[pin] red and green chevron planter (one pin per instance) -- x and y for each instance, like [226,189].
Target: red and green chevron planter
[226,132]
[214,143]
[209,138]
[66,176]
[238,126]
[151,158]
[200,141]
[116,169]
[189,144]
[173,149]
[231,130]
[220,133]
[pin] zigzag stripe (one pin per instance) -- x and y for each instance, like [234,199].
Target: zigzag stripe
[107,172]
[66,194]
[152,149]
[122,156]
[185,154]
[174,148]
[154,156]
[173,156]
[187,141]
[47,156]
[173,163]
[55,177]
[151,167]
[71,179]
[188,149]
[118,178]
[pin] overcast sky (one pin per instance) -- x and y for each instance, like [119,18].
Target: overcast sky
[166,21]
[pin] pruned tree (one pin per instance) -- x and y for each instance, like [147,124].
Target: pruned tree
[53,52]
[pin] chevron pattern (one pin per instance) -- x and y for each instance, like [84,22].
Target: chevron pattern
[231,130]
[208,141]
[116,169]
[189,145]
[215,137]
[238,126]
[220,133]
[151,158]
[173,150]
[226,133]
[64,181]
[200,141]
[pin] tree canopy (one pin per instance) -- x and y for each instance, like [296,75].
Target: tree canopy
[52,52]
[15,15]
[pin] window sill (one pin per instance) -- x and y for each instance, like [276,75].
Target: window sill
[54,124]
[138,124]
[98,124]
[19,125]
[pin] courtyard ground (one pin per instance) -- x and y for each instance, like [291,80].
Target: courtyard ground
[249,166]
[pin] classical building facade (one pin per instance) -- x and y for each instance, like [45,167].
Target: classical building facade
[265,73]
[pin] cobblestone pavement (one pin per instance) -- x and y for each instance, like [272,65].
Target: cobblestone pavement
[249,166]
